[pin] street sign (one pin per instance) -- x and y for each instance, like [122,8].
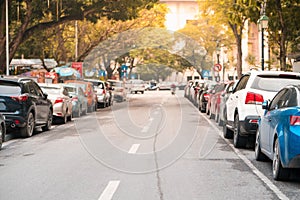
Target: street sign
[205,73]
[217,67]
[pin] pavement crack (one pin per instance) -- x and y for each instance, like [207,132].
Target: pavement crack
[157,171]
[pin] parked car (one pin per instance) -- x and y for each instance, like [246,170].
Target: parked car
[223,99]
[187,89]
[213,106]
[136,85]
[24,105]
[79,99]
[61,101]
[204,94]
[243,107]
[88,89]
[103,95]
[118,89]
[277,137]
[2,129]
[195,90]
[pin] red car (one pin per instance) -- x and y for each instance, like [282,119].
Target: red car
[213,105]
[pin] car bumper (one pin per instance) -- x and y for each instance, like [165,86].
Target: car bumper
[101,99]
[12,122]
[291,148]
[249,125]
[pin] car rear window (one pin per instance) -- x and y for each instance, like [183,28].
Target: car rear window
[274,83]
[9,89]
[51,90]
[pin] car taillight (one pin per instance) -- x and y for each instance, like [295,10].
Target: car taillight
[103,92]
[206,96]
[294,120]
[23,97]
[58,100]
[253,98]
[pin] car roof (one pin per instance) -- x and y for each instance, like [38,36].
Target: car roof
[272,73]
[15,78]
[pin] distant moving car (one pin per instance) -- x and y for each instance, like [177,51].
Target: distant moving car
[118,89]
[165,85]
[2,130]
[88,89]
[61,101]
[152,85]
[136,85]
[103,95]
[79,100]
[24,105]
[243,107]
[278,134]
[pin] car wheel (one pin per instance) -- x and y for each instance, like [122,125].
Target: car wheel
[64,119]
[259,156]
[27,131]
[279,173]
[49,122]
[238,140]
[69,118]
[2,134]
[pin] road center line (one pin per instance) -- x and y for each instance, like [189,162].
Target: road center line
[134,148]
[109,191]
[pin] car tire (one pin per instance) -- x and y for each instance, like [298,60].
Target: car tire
[259,156]
[2,134]
[64,119]
[238,140]
[49,122]
[69,118]
[27,131]
[279,173]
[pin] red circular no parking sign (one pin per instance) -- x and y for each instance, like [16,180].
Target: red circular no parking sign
[217,67]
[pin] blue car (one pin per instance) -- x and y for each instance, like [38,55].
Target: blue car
[278,134]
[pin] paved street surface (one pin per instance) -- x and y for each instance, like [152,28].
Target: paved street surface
[154,146]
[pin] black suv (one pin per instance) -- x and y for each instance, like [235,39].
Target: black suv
[24,105]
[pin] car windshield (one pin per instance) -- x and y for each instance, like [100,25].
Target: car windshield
[273,83]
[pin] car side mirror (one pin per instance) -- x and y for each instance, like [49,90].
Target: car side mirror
[265,105]
[45,95]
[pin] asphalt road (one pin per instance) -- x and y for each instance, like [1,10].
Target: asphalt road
[153,146]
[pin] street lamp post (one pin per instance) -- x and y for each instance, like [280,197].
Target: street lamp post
[263,24]
[7,37]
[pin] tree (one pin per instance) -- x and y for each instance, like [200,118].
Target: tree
[233,14]
[38,15]
[201,31]
[283,28]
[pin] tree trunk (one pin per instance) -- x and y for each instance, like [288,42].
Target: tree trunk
[283,46]
[238,38]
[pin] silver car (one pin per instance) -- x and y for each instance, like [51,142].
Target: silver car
[61,101]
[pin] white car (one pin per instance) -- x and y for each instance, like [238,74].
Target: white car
[61,101]
[136,86]
[243,107]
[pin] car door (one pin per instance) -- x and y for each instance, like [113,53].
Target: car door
[233,99]
[42,104]
[270,119]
